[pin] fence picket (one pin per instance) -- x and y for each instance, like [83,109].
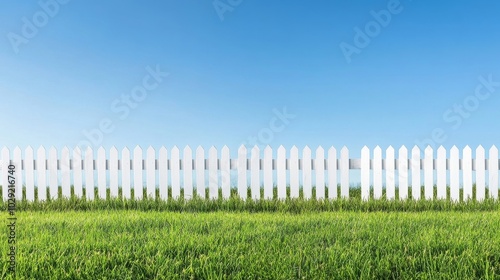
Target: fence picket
[188,172]
[242,172]
[65,173]
[163,173]
[390,188]
[467,172]
[365,173]
[41,171]
[332,173]
[137,167]
[16,159]
[29,173]
[200,172]
[281,172]
[151,172]
[429,173]
[213,185]
[306,173]
[225,171]
[53,182]
[255,172]
[113,172]
[454,174]
[344,172]
[441,173]
[89,173]
[268,173]
[101,173]
[403,173]
[319,166]
[77,172]
[480,173]
[415,173]
[377,172]
[175,172]
[294,172]
[493,172]
[126,192]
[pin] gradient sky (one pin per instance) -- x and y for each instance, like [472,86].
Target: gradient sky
[230,71]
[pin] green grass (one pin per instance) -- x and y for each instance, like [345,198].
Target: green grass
[221,245]
[235,204]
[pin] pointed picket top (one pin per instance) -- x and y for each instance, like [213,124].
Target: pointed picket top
[101,150]
[364,149]
[150,152]
[225,149]
[494,149]
[242,150]
[125,150]
[212,149]
[454,148]
[441,149]
[150,148]
[403,150]
[175,149]
[281,149]
[390,148]
[344,149]
[77,150]
[294,149]
[137,149]
[307,150]
[163,149]
[51,150]
[467,148]
[200,149]
[113,149]
[5,150]
[256,149]
[428,149]
[479,147]
[415,149]
[320,151]
[17,149]
[332,151]
[89,150]
[29,149]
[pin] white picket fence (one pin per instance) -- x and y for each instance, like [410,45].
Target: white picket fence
[79,169]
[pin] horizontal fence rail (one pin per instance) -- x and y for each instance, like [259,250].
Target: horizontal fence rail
[166,169]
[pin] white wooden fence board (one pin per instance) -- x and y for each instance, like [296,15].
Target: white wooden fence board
[89,173]
[151,172]
[429,173]
[480,173]
[41,171]
[53,180]
[175,172]
[255,172]
[390,188]
[101,173]
[306,173]
[467,173]
[29,169]
[225,170]
[137,166]
[188,172]
[281,173]
[344,172]
[268,173]
[213,185]
[454,174]
[415,173]
[377,173]
[163,173]
[16,159]
[332,173]
[403,173]
[493,172]
[65,173]
[200,172]
[125,168]
[319,166]
[113,172]
[242,172]
[77,173]
[441,173]
[365,173]
[294,172]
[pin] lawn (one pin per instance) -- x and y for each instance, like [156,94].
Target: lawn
[141,244]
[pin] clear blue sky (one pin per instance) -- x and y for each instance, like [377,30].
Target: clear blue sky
[230,70]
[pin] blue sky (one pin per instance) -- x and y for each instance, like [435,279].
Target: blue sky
[234,66]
